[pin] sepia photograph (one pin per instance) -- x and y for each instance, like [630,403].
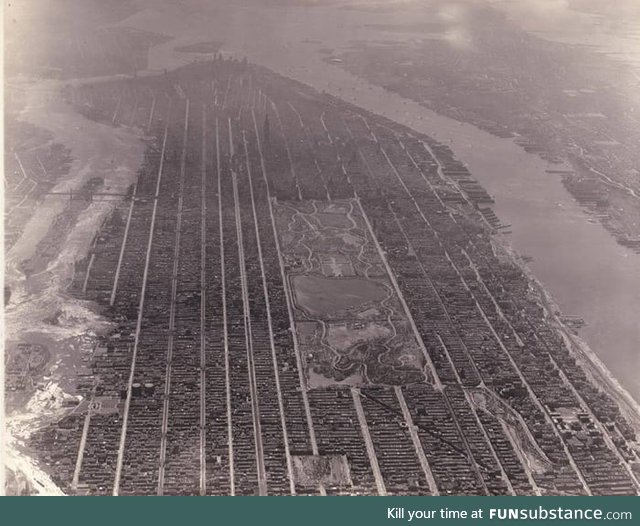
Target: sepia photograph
[321,248]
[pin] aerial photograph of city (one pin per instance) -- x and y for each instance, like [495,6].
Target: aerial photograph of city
[321,247]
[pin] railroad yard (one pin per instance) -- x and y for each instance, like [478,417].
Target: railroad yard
[307,299]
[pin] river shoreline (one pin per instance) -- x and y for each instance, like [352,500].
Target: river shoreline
[40,297]
[593,366]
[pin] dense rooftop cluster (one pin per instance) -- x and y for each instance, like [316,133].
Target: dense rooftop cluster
[203,389]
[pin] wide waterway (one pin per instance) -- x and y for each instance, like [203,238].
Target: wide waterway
[585,270]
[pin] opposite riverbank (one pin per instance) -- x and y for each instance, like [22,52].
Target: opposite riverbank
[114,154]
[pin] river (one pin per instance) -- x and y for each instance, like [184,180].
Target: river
[114,154]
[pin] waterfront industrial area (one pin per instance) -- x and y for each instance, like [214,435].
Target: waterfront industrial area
[263,289]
